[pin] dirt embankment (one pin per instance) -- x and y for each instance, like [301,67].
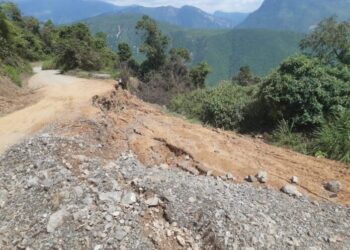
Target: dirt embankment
[158,138]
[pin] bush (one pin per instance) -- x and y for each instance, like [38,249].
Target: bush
[333,139]
[286,137]
[191,104]
[49,64]
[303,92]
[226,106]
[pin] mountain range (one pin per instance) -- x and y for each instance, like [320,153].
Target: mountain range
[296,15]
[67,11]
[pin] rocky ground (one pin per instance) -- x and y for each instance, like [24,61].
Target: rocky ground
[65,192]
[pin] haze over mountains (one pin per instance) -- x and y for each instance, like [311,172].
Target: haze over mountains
[66,11]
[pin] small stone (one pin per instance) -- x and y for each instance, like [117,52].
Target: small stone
[164,166]
[192,199]
[262,176]
[291,190]
[56,220]
[32,182]
[3,197]
[121,232]
[230,176]
[181,240]
[152,202]
[210,173]
[333,186]
[129,198]
[78,191]
[187,158]
[294,180]
[110,196]
[250,178]
[98,247]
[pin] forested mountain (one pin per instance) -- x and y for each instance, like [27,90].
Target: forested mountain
[296,15]
[225,50]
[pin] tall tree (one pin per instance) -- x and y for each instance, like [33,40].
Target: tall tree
[330,41]
[245,77]
[154,46]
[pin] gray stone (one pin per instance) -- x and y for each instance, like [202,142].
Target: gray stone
[250,178]
[262,176]
[230,176]
[129,198]
[3,197]
[78,191]
[333,186]
[152,202]
[181,240]
[294,180]
[56,220]
[291,190]
[121,232]
[110,196]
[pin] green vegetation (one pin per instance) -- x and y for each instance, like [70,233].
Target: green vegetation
[304,104]
[226,51]
[25,39]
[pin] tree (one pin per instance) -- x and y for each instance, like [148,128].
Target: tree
[199,73]
[154,46]
[4,27]
[330,41]
[11,11]
[245,77]
[124,52]
[32,25]
[303,91]
[75,49]
[180,54]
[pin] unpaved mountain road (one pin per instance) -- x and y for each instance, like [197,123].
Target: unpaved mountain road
[157,138]
[60,98]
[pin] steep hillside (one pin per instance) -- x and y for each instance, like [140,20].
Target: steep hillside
[225,50]
[64,11]
[296,15]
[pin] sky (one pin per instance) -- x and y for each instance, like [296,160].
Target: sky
[207,5]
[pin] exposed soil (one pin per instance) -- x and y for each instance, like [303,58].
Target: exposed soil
[158,138]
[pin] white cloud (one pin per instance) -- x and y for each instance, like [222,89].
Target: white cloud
[207,5]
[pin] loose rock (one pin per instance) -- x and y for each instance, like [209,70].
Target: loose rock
[262,176]
[56,220]
[129,198]
[291,190]
[3,197]
[294,180]
[333,186]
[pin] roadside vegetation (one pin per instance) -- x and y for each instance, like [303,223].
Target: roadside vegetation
[25,39]
[304,104]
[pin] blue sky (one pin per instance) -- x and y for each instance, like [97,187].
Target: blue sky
[207,5]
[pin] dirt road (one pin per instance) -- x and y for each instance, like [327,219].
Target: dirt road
[157,137]
[60,98]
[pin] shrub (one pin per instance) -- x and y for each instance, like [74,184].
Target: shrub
[285,136]
[190,104]
[303,92]
[226,105]
[333,139]
[49,64]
